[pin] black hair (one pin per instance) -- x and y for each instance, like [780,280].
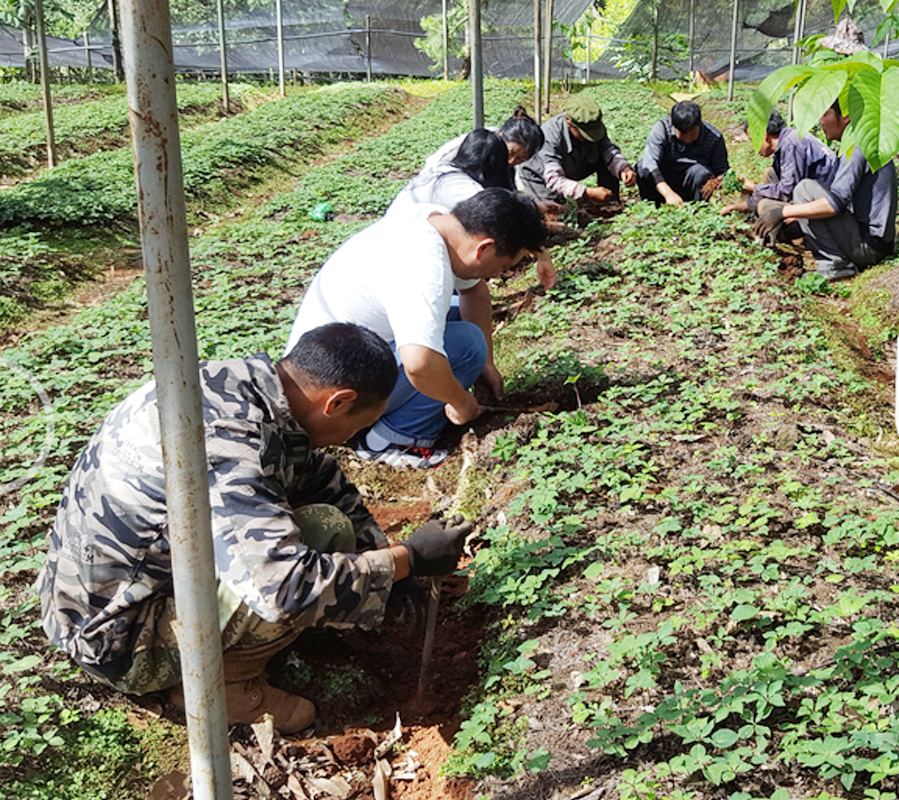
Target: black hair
[686,115]
[349,357]
[483,157]
[835,105]
[776,123]
[522,128]
[511,219]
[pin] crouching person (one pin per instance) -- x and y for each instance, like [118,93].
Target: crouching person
[294,545]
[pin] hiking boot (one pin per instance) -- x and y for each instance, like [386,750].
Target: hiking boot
[398,455]
[837,273]
[248,700]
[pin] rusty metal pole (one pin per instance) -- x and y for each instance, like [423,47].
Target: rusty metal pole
[45,81]
[223,56]
[153,112]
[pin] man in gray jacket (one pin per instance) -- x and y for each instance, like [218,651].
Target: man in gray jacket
[576,146]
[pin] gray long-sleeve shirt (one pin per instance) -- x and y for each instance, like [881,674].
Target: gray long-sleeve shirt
[564,161]
[796,159]
[665,153]
[869,197]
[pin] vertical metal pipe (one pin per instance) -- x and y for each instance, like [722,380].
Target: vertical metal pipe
[477,63]
[279,15]
[445,42]
[538,66]
[655,40]
[368,47]
[547,54]
[886,46]
[116,40]
[45,81]
[733,52]
[692,32]
[797,34]
[87,53]
[223,50]
[587,64]
[146,32]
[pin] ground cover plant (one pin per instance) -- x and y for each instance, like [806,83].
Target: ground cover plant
[96,123]
[688,567]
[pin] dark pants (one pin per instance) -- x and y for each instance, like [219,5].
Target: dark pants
[530,183]
[687,184]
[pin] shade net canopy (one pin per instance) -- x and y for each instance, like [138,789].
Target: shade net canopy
[351,36]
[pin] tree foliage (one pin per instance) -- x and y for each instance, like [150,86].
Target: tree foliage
[866,85]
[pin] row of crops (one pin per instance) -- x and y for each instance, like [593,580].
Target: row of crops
[692,572]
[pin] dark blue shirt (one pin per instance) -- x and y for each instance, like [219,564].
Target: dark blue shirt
[665,153]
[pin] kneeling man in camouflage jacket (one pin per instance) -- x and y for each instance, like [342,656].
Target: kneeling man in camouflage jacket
[294,545]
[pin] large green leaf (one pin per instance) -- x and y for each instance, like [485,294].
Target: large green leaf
[874,110]
[815,96]
[768,93]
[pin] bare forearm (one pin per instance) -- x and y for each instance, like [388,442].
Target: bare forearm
[814,209]
[476,306]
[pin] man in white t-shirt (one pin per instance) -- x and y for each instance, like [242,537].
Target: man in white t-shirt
[397,277]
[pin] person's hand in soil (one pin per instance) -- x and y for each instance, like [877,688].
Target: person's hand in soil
[599,194]
[768,225]
[731,207]
[628,178]
[549,207]
[434,549]
[407,603]
[546,272]
[490,382]
[465,411]
[711,186]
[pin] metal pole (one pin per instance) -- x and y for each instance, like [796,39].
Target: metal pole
[223,49]
[368,47]
[45,81]
[692,32]
[146,32]
[733,53]
[655,40]
[538,67]
[587,63]
[886,46]
[798,33]
[547,54]
[280,23]
[116,41]
[87,53]
[477,63]
[445,42]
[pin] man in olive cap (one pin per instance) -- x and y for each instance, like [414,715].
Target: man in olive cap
[576,145]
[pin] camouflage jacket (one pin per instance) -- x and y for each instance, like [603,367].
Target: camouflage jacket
[109,563]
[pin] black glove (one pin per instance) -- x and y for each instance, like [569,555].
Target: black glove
[407,603]
[768,225]
[434,549]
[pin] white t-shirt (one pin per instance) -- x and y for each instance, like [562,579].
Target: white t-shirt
[394,278]
[444,185]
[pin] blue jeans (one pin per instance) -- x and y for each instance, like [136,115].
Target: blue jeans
[414,419]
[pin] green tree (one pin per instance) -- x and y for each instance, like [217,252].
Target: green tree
[866,85]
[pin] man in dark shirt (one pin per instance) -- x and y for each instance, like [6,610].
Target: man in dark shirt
[576,146]
[682,155]
[792,160]
[852,224]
